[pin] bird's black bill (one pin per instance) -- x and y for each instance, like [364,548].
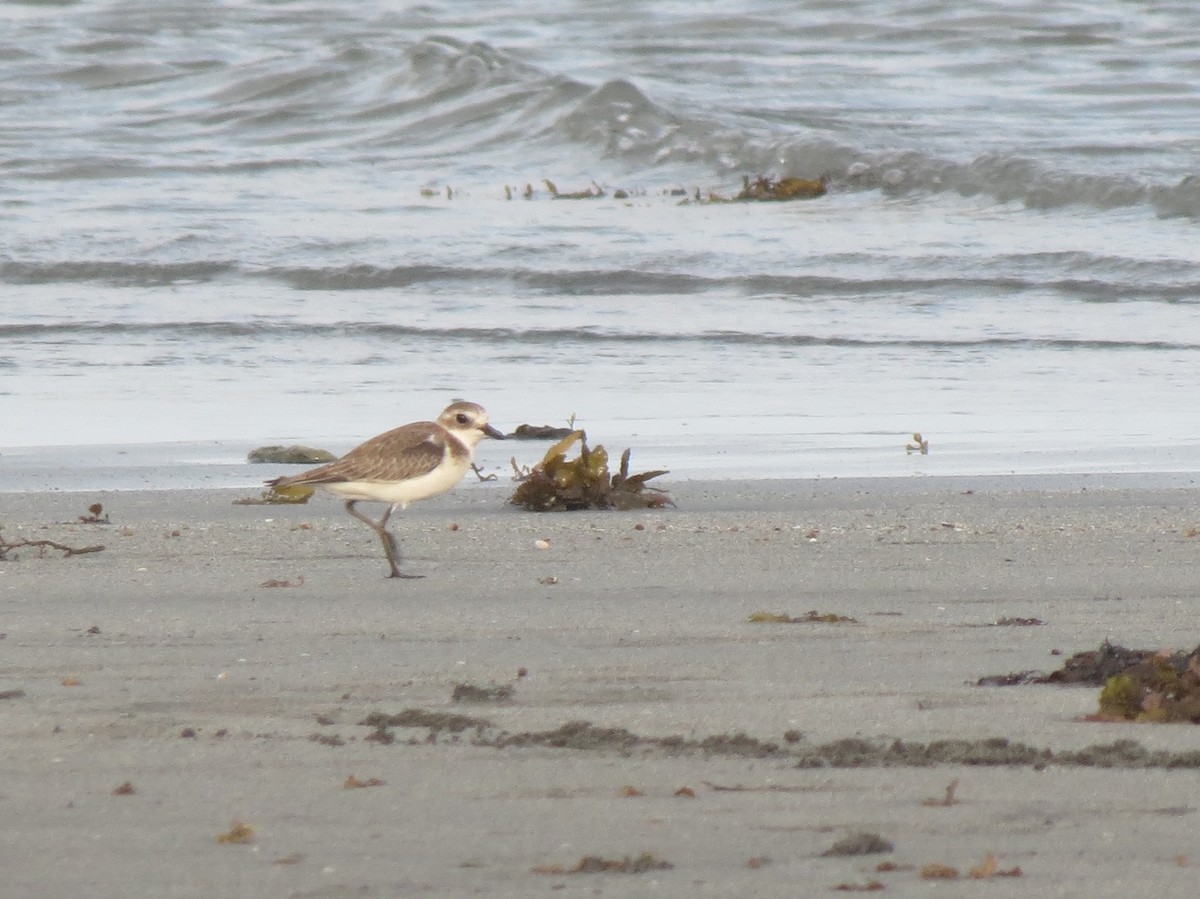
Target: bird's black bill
[492,432]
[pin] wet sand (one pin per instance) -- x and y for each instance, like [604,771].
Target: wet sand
[222,659]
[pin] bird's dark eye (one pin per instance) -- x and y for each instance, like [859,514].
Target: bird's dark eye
[461,418]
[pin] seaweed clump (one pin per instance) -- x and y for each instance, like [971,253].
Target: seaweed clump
[1161,688]
[559,484]
[764,188]
[1140,685]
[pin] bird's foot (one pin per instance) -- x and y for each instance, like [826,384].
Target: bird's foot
[407,577]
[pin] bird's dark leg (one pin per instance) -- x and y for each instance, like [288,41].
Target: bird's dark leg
[390,547]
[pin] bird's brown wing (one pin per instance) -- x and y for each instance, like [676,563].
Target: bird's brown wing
[397,455]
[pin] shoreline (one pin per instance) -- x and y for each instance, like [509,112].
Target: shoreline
[169,661]
[199,465]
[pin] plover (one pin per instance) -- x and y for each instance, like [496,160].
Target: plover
[412,462]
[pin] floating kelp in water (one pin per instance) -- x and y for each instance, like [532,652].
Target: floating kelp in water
[919,445]
[560,484]
[594,192]
[762,188]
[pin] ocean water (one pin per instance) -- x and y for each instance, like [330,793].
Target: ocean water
[228,224]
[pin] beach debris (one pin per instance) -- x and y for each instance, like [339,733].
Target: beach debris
[861,842]
[1017,622]
[945,801]
[294,495]
[1090,668]
[938,871]
[919,445]
[759,189]
[758,861]
[289,455]
[561,484]
[812,617]
[353,783]
[327,739]
[764,188]
[435,722]
[294,859]
[539,432]
[849,752]
[125,789]
[7,546]
[96,515]
[277,582]
[629,791]
[71,681]
[479,473]
[594,192]
[984,869]
[11,694]
[595,864]
[987,868]
[238,834]
[1163,687]
[685,793]
[870,886]
[473,693]
[742,788]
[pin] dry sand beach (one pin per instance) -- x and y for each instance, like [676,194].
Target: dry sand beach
[221,661]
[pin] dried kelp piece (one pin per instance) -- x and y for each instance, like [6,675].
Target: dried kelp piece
[1092,668]
[1095,667]
[473,693]
[96,515]
[870,886]
[938,871]
[560,484]
[595,864]
[238,833]
[436,721]
[41,546]
[852,752]
[860,843]
[353,783]
[947,800]
[590,193]
[812,617]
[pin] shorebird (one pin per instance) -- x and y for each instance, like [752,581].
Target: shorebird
[411,462]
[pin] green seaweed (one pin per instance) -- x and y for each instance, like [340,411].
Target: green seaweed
[1160,688]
